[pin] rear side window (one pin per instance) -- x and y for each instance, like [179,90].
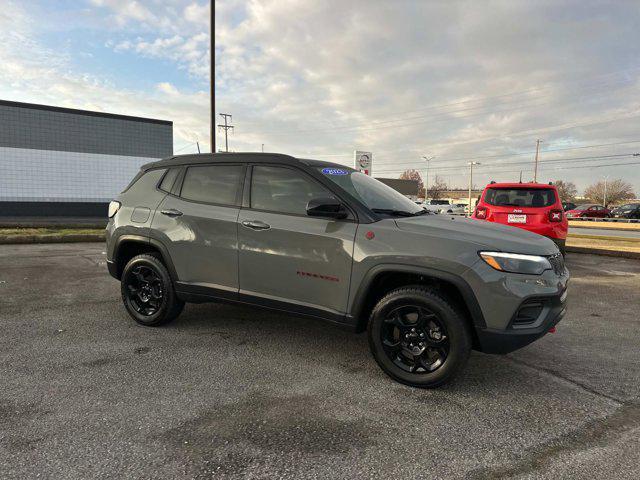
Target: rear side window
[219,184]
[283,190]
[168,180]
[520,197]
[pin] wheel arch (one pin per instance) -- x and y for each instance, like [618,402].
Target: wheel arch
[383,278]
[128,246]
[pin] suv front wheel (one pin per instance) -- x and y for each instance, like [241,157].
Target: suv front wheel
[418,337]
[147,291]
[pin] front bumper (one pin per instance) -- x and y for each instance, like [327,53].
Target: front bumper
[515,336]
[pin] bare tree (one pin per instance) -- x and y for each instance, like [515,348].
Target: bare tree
[615,191]
[566,190]
[414,175]
[438,188]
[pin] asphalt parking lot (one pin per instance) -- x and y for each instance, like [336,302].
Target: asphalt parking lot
[230,392]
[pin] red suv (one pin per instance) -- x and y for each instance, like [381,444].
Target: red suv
[533,206]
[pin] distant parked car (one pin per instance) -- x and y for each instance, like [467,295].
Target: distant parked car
[455,208]
[589,210]
[566,206]
[630,210]
[532,206]
[435,206]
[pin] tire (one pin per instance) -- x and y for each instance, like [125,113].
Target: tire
[434,309]
[147,291]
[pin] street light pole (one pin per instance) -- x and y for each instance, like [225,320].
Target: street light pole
[471,164]
[212,70]
[426,184]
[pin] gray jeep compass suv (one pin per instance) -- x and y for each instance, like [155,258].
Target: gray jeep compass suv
[322,240]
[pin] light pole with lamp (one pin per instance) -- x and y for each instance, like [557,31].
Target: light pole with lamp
[426,184]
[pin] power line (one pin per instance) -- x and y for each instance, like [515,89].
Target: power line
[553,160]
[480,157]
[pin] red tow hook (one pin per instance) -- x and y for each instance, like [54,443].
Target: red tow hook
[552,330]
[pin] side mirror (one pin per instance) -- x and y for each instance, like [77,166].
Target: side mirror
[327,207]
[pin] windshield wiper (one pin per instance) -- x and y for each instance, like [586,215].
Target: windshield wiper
[399,213]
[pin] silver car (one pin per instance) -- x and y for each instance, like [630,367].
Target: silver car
[323,240]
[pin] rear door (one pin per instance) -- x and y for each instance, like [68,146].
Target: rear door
[197,223]
[287,256]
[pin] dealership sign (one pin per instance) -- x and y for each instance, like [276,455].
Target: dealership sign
[363,162]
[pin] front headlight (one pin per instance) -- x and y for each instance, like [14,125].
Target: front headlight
[516,262]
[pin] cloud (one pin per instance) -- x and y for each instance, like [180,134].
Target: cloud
[402,79]
[32,72]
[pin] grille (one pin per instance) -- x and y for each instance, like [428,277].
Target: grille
[557,263]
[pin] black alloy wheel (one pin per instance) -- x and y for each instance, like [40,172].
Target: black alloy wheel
[147,291]
[144,290]
[414,339]
[418,336]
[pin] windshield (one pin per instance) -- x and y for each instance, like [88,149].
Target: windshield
[373,193]
[520,197]
[583,207]
[629,206]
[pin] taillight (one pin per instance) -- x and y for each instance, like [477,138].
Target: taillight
[481,212]
[555,215]
[113,208]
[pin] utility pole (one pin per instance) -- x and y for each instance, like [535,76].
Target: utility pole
[426,183]
[471,164]
[263,148]
[198,145]
[226,127]
[212,74]
[535,170]
[604,200]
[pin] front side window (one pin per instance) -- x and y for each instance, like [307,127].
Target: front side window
[520,197]
[283,190]
[373,193]
[219,184]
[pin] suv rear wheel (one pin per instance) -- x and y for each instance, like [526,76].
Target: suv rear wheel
[418,337]
[147,291]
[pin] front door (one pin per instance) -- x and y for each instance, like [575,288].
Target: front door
[287,256]
[198,225]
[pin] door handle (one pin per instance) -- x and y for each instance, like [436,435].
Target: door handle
[172,212]
[256,225]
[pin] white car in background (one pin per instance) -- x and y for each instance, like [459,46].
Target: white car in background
[455,209]
[435,206]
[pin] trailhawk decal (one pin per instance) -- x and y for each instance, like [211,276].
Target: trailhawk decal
[317,275]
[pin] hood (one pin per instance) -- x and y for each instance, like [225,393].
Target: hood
[486,235]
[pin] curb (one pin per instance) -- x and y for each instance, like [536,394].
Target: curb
[602,251]
[73,238]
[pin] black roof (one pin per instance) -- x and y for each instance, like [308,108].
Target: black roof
[89,113]
[242,157]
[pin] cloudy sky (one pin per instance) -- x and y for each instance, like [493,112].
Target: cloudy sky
[459,81]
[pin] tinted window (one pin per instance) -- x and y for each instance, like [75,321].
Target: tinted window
[283,190]
[169,178]
[213,184]
[520,197]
